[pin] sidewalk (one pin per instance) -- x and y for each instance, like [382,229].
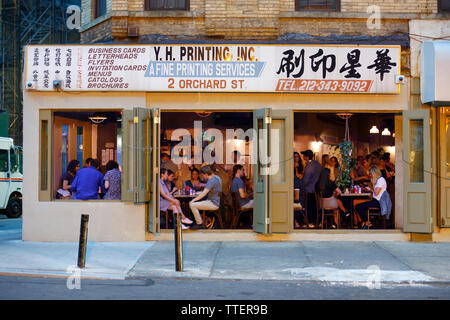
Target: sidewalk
[391,262]
[349,262]
[329,261]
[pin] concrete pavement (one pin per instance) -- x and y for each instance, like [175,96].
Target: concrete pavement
[318,261]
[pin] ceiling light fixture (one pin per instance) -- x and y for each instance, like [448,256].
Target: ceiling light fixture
[374,129]
[386,132]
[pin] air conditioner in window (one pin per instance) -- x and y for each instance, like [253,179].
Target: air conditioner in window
[133,31]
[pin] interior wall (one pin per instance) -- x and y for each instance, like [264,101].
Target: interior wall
[58,122]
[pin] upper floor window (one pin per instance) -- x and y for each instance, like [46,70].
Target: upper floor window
[166,4]
[330,5]
[444,5]
[99,8]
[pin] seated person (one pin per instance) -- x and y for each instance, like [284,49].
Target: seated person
[195,183]
[379,186]
[238,186]
[87,182]
[330,192]
[167,201]
[170,182]
[113,181]
[212,191]
[360,174]
[66,180]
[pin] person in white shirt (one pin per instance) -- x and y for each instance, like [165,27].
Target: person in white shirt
[379,186]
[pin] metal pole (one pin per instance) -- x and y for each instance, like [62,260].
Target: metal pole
[83,240]
[178,243]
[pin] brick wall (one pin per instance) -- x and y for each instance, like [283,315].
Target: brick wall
[391,6]
[255,19]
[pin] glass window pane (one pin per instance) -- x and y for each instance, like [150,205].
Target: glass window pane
[13,160]
[64,148]
[259,144]
[130,156]
[416,160]
[317,4]
[278,152]
[3,160]
[80,144]
[447,122]
[44,154]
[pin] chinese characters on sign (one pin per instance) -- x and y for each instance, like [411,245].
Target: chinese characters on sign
[216,68]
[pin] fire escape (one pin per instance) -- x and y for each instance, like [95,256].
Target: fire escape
[24,22]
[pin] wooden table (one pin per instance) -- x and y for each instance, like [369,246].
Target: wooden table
[184,201]
[353,196]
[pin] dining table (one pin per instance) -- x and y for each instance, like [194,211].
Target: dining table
[185,198]
[353,196]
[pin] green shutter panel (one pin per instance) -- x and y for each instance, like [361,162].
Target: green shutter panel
[142,121]
[45,156]
[282,177]
[417,172]
[128,156]
[261,149]
[153,208]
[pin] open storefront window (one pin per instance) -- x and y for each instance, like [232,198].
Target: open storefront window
[344,170]
[207,151]
[75,140]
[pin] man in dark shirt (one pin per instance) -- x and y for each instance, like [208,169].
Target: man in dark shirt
[87,182]
[238,186]
[310,179]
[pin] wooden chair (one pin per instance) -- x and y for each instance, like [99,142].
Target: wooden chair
[165,215]
[301,211]
[375,212]
[217,214]
[237,210]
[326,212]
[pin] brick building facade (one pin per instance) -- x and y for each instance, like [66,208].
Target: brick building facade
[253,19]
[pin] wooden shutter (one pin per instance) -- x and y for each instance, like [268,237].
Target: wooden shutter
[45,154]
[417,172]
[282,179]
[261,149]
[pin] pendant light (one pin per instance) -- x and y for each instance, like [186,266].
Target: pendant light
[374,129]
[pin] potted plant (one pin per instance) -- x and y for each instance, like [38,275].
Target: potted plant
[344,180]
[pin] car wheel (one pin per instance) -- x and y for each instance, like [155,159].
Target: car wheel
[14,208]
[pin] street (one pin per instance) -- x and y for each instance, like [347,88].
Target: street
[12,287]
[151,276]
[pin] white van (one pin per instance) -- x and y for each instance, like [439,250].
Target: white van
[10,179]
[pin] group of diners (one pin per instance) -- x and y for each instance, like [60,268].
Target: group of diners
[88,183]
[208,185]
[315,188]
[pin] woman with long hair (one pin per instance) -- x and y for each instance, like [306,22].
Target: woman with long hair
[379,186]
[167,201]
[298,165]
[69,175]
[334,168]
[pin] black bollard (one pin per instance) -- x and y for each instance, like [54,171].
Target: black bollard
[178,243]
[83,240]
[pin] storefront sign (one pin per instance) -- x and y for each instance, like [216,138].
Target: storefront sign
[214,68]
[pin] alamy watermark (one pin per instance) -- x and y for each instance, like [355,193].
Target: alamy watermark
[73,17]
[374,20]
[74,280]
[268,158]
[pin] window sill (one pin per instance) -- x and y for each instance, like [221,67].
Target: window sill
[324,14]
[158,14]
